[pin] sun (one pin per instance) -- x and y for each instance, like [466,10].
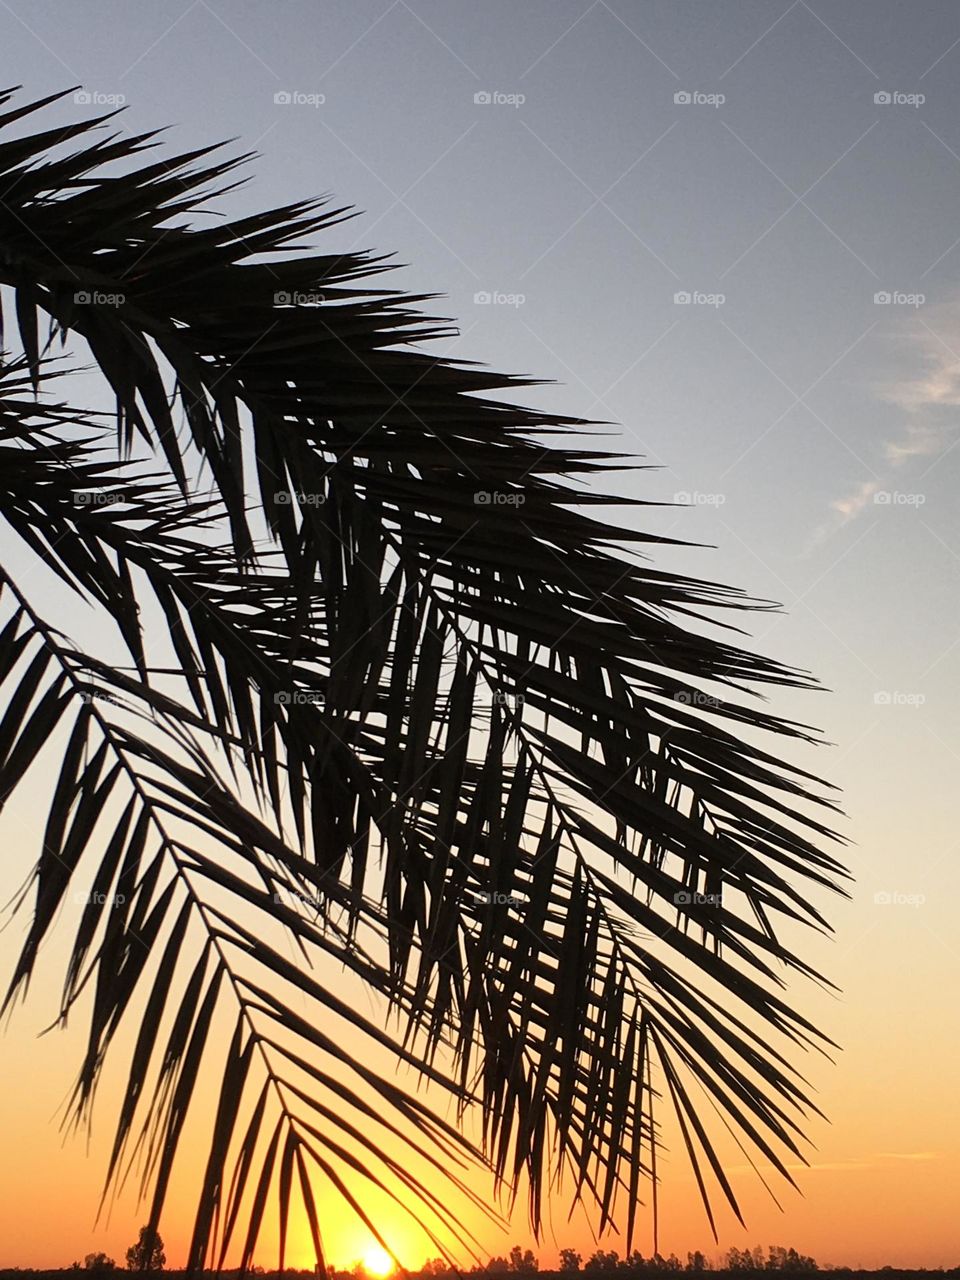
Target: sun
[377,1262]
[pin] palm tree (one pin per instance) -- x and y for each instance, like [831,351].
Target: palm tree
[371,703]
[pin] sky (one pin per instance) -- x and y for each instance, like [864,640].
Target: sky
[729,230]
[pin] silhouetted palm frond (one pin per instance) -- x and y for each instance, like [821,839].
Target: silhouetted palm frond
[349,716]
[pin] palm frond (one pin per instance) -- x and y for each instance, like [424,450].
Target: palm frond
[493,765]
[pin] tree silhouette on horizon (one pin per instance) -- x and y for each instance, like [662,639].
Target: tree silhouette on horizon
[146,1256]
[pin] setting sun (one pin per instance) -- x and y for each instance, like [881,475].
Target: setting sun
[377,1262]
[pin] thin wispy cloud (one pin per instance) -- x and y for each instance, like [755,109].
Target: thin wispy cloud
[928,402]
[832,1166]
[827,1166]
[855,1165]
[921,440]
[844,510]
[908,1155]
[930,398]
[851,506]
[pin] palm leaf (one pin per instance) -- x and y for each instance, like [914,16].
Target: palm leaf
[458,750]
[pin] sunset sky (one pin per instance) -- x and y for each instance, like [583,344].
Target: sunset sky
[792,170]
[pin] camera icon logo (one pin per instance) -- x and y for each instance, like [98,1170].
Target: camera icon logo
[482,298]
[83,98]
[681,298]
[682,98]
[82,298]
[282,699]
[282,299]
[882,99]
[882,299]
[482,498]
[482,99]
[282,98]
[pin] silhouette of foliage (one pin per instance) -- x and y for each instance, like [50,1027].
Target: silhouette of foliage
[99,1263]
[777,1259]
[353,723]
[602,1260]
[523,1261]
[147,1254]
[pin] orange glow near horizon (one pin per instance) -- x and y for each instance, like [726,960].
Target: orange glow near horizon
[880,1188]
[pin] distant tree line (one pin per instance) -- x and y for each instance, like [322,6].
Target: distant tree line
[147,1257]
[524,1262]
